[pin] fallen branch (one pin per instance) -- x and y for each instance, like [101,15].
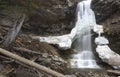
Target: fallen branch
[31,63]
[116,72]
[26,50]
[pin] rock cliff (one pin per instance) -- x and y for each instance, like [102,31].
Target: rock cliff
[108,14]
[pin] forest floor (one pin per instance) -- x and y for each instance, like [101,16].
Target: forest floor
[43,54]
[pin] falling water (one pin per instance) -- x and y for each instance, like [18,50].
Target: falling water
[84,58]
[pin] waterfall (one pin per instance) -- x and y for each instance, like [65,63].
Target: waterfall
[84,58]
[80,39]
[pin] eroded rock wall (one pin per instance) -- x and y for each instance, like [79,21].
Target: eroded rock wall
[108,14]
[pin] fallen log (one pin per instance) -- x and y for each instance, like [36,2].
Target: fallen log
[11,35]
[31,63]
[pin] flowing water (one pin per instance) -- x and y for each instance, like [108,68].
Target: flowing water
[84,58]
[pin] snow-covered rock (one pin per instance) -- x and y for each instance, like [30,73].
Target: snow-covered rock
[105,53]
[98,29]
[101,41]
[64,42]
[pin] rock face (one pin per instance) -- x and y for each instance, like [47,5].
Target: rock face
[104,51]
[43,16]
[105,8]
[52,17]
[108,14]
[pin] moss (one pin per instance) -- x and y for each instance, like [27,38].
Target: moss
[107,31]
[66,54]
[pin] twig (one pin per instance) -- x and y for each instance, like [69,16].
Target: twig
[31,63]
[26,50]
[5,58]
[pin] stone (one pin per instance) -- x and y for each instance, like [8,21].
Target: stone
[101,41]
[105,53]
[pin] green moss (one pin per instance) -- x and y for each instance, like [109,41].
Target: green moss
[66,54]
[107,31]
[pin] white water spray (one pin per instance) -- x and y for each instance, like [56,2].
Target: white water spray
[84,57]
